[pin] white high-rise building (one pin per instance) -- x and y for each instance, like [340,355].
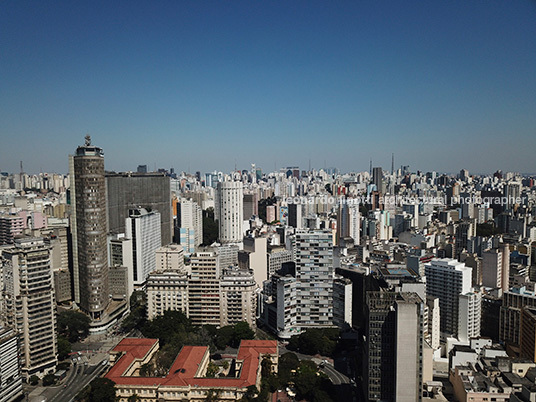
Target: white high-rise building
[354,222]
[228,211]
[29,306]
[447,279]
[10,379]
[306,300]
[190,216]
[469,315]
[433,322]
[143,228]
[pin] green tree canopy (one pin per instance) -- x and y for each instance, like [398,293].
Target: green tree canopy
[138,312]
[49,379]
[73,325]
[224,337]
[64,348]
[98,390]
[316,341]
[241,331]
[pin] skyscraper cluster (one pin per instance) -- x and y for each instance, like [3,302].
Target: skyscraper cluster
[428,273]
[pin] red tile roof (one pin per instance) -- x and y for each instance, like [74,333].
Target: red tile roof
[184,368]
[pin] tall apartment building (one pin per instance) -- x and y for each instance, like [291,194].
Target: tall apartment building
[469,315]
[446,279]
[120,255]
[227,254]
[207,297]
[10,227]
[204,288]
[432,321]
[527,333]
[166,290]
[170,258]
[186,238]
[302,296]
[190,217]
[29,306]
[393,347]
[313,251]
[295,215]
[57,240]
[10,379]
[228,211]
[514,301]
[342,302]
[349,221]
[354,222]
[251,206]
[143,228]
[238,297]
[492,268]
[255,251]
[89,230]
[151,191]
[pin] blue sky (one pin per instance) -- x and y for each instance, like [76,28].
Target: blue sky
[199,85]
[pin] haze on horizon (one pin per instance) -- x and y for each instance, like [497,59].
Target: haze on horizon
[210,85]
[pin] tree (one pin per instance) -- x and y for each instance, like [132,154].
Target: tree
[212,370]
[146,370]
[134,398]
[98,390]
[64,348]
[316,341]
[241,331]
[34,380]
[138,312]
[251,393]
[287,362]
[306,380]
[73,325]
[49,379]
[224,337]
[168,325]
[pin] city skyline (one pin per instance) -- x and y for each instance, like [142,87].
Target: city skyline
[209,86]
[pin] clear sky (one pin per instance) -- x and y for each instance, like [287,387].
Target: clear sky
[199,85]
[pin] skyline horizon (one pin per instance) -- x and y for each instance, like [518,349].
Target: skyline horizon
[151,168]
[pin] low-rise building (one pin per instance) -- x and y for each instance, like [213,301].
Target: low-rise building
[186,380]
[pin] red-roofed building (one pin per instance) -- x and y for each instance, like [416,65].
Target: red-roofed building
[186,379]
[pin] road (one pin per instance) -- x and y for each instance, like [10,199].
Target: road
[79,377]
[336,377]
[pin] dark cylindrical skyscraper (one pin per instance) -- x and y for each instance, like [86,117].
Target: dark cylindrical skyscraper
[88,220]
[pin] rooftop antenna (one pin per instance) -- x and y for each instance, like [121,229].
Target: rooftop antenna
[21,169]
[393,163]
[370,171]
[88,140]
[309,164]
